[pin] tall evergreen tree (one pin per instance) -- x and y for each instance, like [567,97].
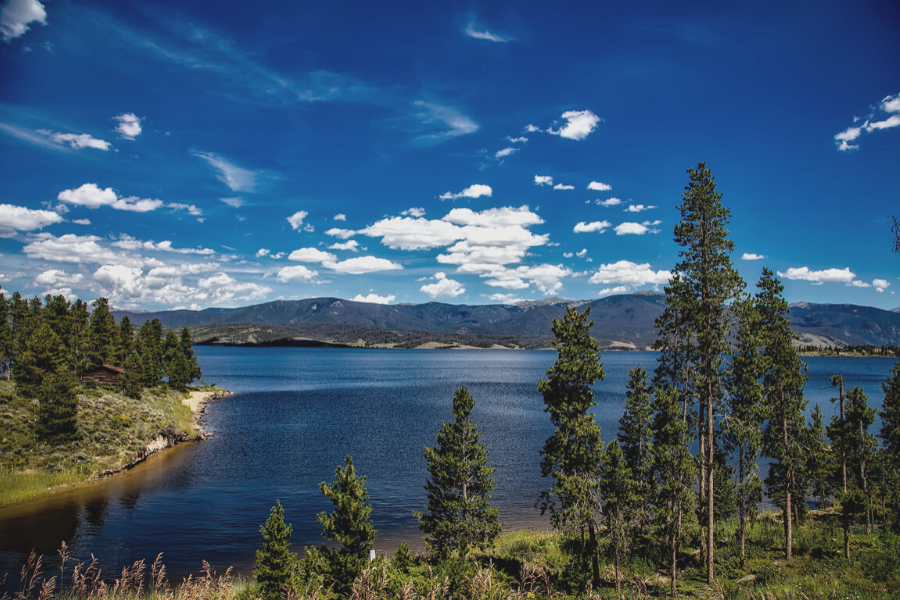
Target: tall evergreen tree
[6,338]
[571,456]
[132,381]
[890,440]
[620,502]
[125,341]
[710,284]
[103,336]
[458,515]
[741,429]
[150,348]
[274,560]
[350,525]
[783,381]
[635,438]
[859,418]
[675,470]
[819,461]
[837,431]
[171,349]
[79,326]
[187,347]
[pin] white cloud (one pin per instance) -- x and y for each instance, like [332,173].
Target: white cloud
[532,128]
[629,274]
[751,256]
[563,186]
[443,288]
[413,212]
[351,245]
[892,121]
[75,140]
[473,191]
[453,123]
[859,284]
[406,233]
[262,252]
[582,253]
[505,152]
[579,124]
[599,226]
[819,277]
[504,216]
[91,196]
[505,298]
[517,140]
[82,221]
[126,242]
[880,285]
[874,121]
[891,104]
[608,202]
[636,208]
[362,264]
[18,218]
[129,126]
[16,15]
[637,228]
[568,255]
[374,298]
[484,35]
[297,273]
[340,233]
[339,217]
[543,180]
[192,209]
[235,177]
[296,219]
[278,255]
[599,187]
[56,282]
[313,255]
[619,289]
[234,202]
[71,248]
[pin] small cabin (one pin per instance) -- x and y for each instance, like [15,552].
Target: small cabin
[103,375]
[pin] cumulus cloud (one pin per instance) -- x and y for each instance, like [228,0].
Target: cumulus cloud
[859,284]
[628,274]
[579,124]
[484,35]
[339,233]
[236,202]
[362,265]
[18,218]
[636,208]
[262,252]
[17,15]
[351,245]
[129,126]
[637,228]
[599,226]
[235,177]
[57,282]
[297,273]
[126,242]
[599,187]
[819,277]
[543,180]
[505,298]
[374,298]
[473,191]
[190,208]
[619,289]
[339,217]
[505,152]
[82,221]
[443,287]
[517,140]
[875,120]
[504,216]
[751,256]
[311,255]
[414,212]
[582,253]
[563,186]
[443,122]
[92,196]
[608,202]
[407,233]
[75,140]
[880,285]
[296,219]
[71,248]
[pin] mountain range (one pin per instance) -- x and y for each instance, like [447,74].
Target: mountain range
[622,321]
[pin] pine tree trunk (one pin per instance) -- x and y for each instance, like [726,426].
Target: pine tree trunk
[674,564]
[710,493]
[845,525]
[742,505]
[595,565]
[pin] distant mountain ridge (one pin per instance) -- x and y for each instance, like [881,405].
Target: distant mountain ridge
[623,320]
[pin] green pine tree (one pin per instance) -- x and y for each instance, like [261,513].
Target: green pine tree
[6,337]
[132,381]
[783,382]
[620,503]
[187,348]
[79,326]
[150,348]
[124,342]
[859,418]
[275,560]
[458,516]
[634,437]
[403,559]
[742,427]
[890,441]
[103,335]
[571,456]
[350,525]
[820,465]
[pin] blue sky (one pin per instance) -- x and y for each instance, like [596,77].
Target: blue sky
[194,153]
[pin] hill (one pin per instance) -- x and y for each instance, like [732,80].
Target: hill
[624,321]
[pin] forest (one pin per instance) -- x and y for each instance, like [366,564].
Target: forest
[669,506]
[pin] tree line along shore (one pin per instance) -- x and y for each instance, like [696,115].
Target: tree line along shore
[667,507]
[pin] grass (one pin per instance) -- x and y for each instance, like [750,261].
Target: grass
[113,432]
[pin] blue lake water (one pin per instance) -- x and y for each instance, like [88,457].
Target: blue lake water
[292,418]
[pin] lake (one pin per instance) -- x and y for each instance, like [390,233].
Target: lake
[294,415]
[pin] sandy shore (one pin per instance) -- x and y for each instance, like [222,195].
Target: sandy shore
[197,403]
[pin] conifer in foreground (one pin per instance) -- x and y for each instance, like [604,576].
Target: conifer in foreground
[274,560]
[890,439]
[458,516]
